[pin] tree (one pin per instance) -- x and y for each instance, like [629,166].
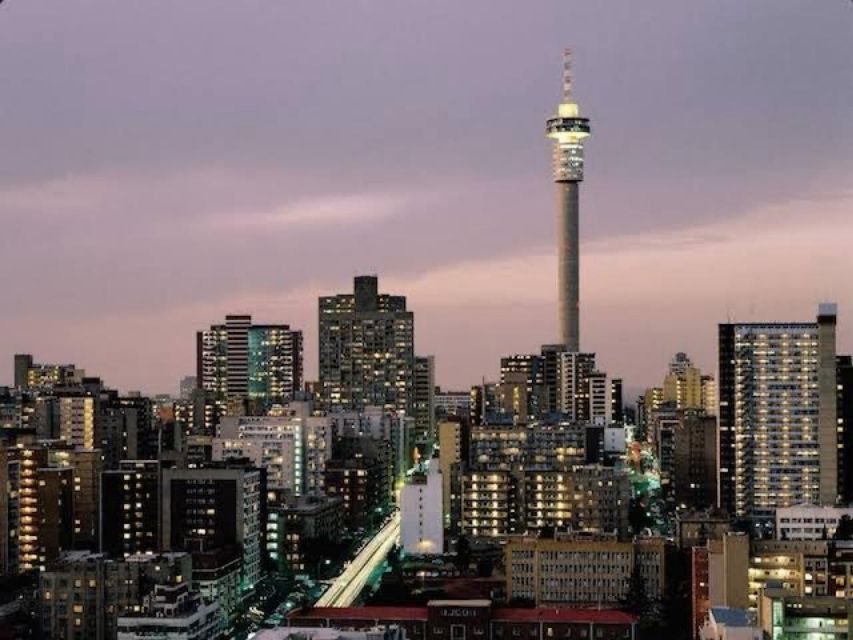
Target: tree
[485,566]
[845,529]
[463,554]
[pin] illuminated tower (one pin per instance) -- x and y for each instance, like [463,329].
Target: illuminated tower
[568,129]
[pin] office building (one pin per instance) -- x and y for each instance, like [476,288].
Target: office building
[809,522]
[367,353]
[421,519]
[583,573]
[778,415]
[261,364]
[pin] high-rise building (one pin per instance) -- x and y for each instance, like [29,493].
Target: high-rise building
[424,407]
[568,130]
[452,450]
[38,519]
[845,428]
[292,447]
[685,444]
[421,521]
[684,386]
[526,372]
[32,375]
[130,508]
[498,503]
[212,507]
[359,474]
[258,363]
[86,466]
[187,386]
[367,355]
[77,420]
[778,415]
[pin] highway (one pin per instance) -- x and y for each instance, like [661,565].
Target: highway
[346,587]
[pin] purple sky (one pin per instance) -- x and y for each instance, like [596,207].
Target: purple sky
[163,163]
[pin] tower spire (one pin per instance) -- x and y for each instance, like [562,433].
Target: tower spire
[567,76]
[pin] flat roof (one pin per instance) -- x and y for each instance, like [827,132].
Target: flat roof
[499,614]
[550,614]
[362,613]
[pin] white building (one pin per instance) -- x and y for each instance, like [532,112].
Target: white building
[292,446]
[421,513]
[328,633]
[809,522]
[615,439]
[172,613]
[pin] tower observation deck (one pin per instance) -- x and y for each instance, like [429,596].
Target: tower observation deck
[568,130]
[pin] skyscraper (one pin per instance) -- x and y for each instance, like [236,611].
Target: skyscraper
[568,129]
[777,415]
[367,349]
[238,359]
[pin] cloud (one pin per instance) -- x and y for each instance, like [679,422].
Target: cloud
[347,209]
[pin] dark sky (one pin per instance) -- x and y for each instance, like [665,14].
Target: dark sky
[166,162]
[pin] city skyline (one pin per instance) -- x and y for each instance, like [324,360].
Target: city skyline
[157,199]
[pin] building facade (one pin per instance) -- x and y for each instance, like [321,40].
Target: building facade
[367,355]
[778,416]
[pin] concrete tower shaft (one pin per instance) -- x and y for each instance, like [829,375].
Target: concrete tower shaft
[568,130]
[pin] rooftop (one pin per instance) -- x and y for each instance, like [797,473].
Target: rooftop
[506,614]
[730,617]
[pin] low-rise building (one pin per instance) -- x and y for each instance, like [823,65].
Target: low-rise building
[293,525]
[725,623]
[782,615]
[476,620]
[173,612]
[83,593]
[387,632]
[583,572]
[809,522]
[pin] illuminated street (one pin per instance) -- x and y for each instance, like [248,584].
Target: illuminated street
[347,586]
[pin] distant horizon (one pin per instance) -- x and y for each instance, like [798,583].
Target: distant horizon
[160,180]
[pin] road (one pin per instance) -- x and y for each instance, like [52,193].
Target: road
[346,587]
